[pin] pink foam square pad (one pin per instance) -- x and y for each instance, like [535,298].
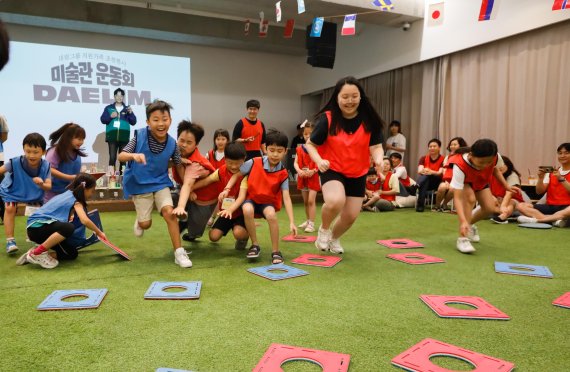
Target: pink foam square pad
[400,243]
[299,238]
[563,301]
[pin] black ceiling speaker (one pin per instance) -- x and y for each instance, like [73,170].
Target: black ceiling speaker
[322,50]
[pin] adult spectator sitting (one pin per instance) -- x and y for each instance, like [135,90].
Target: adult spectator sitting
[400,171]
[396,143]
[444,190]
[556,184]
[430,171]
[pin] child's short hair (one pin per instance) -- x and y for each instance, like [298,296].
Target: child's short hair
[196,129]
[307,124]
[157,105]
[35,140]
[119,90]
[221,133]
[483,148]
[396,155]
[235,151]
[565,146]
[252,103]
[276,138]
[396,123]
[435,140]
[371,172]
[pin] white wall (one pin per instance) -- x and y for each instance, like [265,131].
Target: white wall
[461,28]
[377,49]
[222,79]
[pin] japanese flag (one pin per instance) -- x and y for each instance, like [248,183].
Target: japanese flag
[278,11]
[435,15]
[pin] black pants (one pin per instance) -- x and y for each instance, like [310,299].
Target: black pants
[426,183]
[40,234]
[114,149]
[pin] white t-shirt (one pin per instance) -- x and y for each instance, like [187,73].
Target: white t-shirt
[397,141]
[400,172]
[458,179]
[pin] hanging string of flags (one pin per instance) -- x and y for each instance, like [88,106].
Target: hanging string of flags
[435,16]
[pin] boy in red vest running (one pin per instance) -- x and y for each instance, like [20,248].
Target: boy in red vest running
[250,131]
[230,214]
[267,189]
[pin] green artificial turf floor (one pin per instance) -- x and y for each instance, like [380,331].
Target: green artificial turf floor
[367,305]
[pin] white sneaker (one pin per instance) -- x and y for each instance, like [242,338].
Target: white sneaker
[181,258]
[560,223]
[303,225]
[525,219]
[323,239]
[137,229]
[335,247]
[23,260]
[473,234]
[310,227]
[464,245]
[43,259]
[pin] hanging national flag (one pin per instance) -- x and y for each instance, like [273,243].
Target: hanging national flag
[300,6]
[278,11]
[246,28]
[349,25]
[561,4]
[486,12]
[384,4]
[289,27]
[435,15]
[263,27]
[317,26]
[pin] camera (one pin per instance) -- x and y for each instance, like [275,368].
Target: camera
[406,26]
[546,168]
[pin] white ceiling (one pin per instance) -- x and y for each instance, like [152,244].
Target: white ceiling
[240,10]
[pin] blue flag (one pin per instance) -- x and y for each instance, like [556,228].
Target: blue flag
[317,27]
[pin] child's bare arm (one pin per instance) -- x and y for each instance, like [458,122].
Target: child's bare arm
[289,210]
[127,156]
[87,222]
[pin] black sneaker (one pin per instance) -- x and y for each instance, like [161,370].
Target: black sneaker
[496,219]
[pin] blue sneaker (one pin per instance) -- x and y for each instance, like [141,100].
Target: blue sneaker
[11,246]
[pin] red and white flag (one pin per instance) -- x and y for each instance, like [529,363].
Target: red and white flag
[263,27]
[278,11]
[349,25]
[246,27]
[435,14]
[289,27]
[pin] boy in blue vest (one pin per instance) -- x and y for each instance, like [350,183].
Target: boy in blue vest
[27,177]
[146,175]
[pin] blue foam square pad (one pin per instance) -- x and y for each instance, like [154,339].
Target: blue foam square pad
[156,291]
[55,300]
[268,272]
[171,370]
[521,269]
[536,225]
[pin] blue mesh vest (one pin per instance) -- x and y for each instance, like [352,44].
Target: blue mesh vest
[58,208]
[18,185]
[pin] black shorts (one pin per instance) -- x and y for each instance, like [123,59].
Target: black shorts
[548,209]
[355,187]
[225,224]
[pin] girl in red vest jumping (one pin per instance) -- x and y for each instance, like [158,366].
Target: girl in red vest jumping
[348,131]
